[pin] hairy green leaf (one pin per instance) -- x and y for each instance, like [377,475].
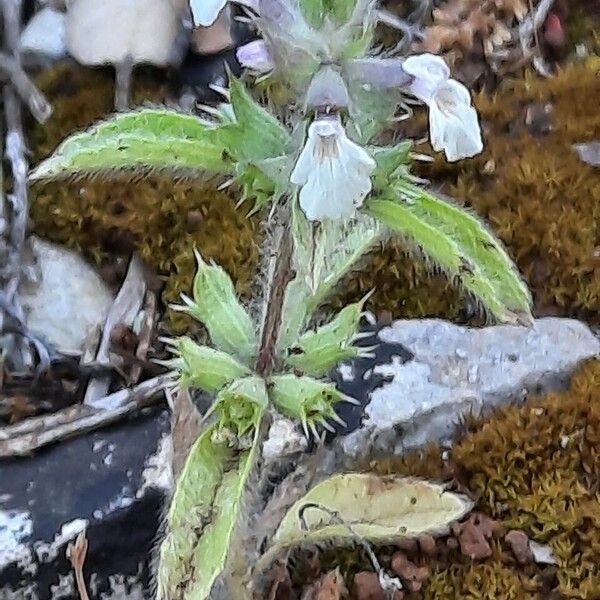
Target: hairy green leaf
[256,134]
[216,305]
[202,517]
[458,243]
[354,507]
[152,138]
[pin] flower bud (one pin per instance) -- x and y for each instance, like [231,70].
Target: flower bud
[215,304]
[255,56]
[240,405]
[319,351]
[327,89]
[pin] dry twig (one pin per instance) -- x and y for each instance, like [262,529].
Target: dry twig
[27,436]
[76,554]
[125,308]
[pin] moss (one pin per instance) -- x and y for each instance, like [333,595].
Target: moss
[160,219]
[533,467]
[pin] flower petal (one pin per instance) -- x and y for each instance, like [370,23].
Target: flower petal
[428,71]
[453,123]
[255,56]
[205,12]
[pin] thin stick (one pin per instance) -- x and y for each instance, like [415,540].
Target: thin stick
[76,554]
[27,436]
[12,71]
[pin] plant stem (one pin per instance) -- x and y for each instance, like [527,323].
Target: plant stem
[280,274]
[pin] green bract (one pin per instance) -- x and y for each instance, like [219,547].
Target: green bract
[317,352]
[216,305]
[239,405]
[203,367]
[306,399]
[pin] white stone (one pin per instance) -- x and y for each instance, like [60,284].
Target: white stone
[494,365]
[284,439]
[16,528]
[48,551]
[68,300]
[45,34]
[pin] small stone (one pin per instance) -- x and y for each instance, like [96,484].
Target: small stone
[428,545]
[66,285]
[542,553]
[473,535]
[411,574]
[564,441]
[366,586]
[519,544]
[409,546]
[44,34]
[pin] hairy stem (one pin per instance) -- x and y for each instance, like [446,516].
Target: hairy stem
[280,274]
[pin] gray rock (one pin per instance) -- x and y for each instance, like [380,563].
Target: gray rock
[455,370]
[113,484]
[67,301]
[44,34]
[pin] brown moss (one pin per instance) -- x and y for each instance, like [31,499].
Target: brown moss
[160,219]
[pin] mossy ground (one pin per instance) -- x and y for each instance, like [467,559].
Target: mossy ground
[533,467]
[161,219]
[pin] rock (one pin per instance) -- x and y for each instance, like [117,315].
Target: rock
[366,586]
[111,483]
[589,153]
[411,574]
[519,544]
[68,300]
[455,370]
[474,535]
[44,34]
[283,440]
[542,553]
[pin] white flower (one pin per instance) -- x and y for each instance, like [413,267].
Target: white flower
[333,171]
[255,56]
[453,124]
[205,12]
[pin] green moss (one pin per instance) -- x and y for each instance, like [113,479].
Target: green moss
[160,219]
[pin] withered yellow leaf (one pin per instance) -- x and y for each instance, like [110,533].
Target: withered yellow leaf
[380,509]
